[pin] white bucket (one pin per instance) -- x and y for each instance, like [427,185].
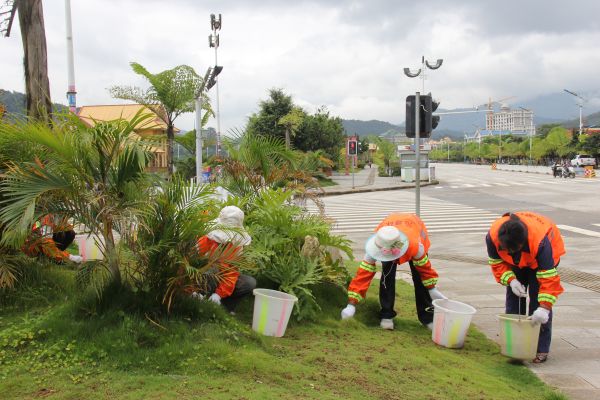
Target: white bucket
[89,247]
[518,336]
[451,320]
[272,310]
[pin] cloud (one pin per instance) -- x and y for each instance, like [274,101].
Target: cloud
[348,56]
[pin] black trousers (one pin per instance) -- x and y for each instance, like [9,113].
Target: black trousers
[63,239]
[243,287]
[387,293]
[518,305]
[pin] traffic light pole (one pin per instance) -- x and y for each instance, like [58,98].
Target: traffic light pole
[417,155]
[352,171]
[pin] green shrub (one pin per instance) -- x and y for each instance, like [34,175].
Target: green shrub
[293,249]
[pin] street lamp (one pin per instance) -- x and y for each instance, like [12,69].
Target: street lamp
[424,64]
[580,104]
[213,41]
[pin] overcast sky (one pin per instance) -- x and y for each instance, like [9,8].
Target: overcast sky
[346,55]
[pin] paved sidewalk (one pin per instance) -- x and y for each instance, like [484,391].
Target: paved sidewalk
[367,180]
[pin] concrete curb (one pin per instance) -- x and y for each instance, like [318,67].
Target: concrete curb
[374,189]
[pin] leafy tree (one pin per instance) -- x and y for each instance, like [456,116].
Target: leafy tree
[320,132]
[591,144]
[387,150]
[292,121]
[271,111]
[543,130]
[171,93]
[558,141]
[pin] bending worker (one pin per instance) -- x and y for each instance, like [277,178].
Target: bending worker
[524,249]
[227,240]
[50,237]
[398,238]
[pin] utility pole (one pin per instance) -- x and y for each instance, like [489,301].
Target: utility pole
[580,104]
[213,40]
[71,92]
[424,65]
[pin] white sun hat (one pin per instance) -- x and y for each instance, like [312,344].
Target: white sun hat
[388,244]
[230,217]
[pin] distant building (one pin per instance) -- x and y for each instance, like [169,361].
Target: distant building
[507,121]
[153,128]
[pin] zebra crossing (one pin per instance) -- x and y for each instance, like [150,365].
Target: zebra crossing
[479,183]
[355,215]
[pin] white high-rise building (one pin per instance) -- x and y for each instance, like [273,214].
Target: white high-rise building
[514,121]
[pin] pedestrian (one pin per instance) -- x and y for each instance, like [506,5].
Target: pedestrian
[524,249]
[226,242]
[50,237]
[399,238]
[369,164]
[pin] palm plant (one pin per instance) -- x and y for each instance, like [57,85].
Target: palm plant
[94,175]
[167,262]
[171,93]
[258,162]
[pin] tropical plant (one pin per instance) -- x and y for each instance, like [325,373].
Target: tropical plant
[257,162]
[280,231]
[171,93]
[167,262]
[94,175]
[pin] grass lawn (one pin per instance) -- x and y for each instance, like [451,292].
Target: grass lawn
[58,345]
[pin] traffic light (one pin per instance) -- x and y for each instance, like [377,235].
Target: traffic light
[352,147]
[431,121]
[427,121]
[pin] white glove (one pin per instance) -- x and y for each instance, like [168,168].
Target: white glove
[518,288]
[215,298]
[348,312]
[75,259]
[540,315]
[436,294]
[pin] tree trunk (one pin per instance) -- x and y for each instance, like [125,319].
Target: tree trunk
[287,138]
[109,248]
[35,60]
[170,139]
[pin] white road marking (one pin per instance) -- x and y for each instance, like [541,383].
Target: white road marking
[581,231]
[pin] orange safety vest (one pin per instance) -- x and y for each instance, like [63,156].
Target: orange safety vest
[416,232]
[538,227]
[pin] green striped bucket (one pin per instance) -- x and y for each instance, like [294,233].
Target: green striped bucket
[518,336]
[272,310]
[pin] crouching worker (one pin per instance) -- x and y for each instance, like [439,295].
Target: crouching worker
[50,237]
[524,250]
[399,238]
[229,287]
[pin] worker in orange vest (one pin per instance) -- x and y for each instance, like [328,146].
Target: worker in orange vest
[50,237]
[227,241]
[524,249]
[399,238]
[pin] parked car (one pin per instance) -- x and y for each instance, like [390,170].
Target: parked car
[582,160]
